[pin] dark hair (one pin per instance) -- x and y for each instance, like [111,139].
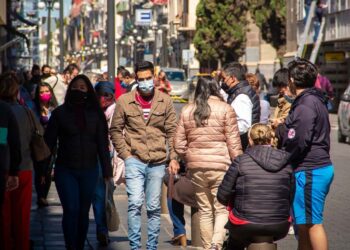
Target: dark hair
[44,66]
[281,78]
[9,86]
[120,68]
[206,87]
[35,68]
[143,66]
[235,69]
[53,102]
[125,73]
[70,68]
[253,81]
[92,98]
[162,71]
[303,73]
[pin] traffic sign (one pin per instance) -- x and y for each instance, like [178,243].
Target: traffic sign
[187,56]
[143,17]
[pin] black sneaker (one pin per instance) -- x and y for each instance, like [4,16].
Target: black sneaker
[103,239]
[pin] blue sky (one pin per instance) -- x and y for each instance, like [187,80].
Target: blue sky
[66,4]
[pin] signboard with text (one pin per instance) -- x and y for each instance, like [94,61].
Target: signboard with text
[143,17]
[336,56]
[187,56]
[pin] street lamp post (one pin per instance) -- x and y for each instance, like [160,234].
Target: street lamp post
[157,30]
[154,28]
[61,37]
[49,4]
[111,39]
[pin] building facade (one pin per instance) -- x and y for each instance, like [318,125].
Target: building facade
[333,58]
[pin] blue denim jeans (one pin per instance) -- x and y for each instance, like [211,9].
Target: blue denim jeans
[143,179]
[176,212]
[76,188]
[99,205]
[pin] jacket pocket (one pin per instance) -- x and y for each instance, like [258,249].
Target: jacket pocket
[158,118]
[134,119]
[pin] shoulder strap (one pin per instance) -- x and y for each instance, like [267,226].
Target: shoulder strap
[53,87]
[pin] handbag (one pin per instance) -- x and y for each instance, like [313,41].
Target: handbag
[112,215]
[38,147]
[180,187]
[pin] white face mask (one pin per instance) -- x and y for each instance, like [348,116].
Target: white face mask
[146,86]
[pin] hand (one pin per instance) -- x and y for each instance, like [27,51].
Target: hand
[276,122]
[42,180]
[108,179]
[12,183]
[174,167]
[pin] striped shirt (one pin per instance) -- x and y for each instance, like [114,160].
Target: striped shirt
[145,103]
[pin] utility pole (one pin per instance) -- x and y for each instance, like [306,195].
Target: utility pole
[111,39]
[48,33]
[61,37]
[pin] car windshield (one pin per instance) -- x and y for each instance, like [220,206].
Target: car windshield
[175,76]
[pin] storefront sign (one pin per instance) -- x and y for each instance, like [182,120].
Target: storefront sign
[338,56]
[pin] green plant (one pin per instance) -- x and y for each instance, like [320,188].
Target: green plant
[220,31]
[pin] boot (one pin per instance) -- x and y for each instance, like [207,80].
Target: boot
[103,239]
[179,240]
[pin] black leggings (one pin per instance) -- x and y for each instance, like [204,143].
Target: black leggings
[42,190]
[242,235]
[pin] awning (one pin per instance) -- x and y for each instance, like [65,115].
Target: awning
[9,44]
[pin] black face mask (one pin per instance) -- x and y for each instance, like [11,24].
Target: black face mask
[44,76]
[224,86]
[36,79]
[78,97]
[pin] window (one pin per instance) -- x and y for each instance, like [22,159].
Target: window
[175,75]
[342,5]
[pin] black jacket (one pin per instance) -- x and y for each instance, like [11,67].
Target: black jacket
[79,148]
[10,145]
[306,132]
[243,87]
[260,186]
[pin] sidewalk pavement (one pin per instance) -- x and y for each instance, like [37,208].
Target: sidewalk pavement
[47,234]
[46,231]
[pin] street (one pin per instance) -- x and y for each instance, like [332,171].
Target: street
[102,49]
[47,234]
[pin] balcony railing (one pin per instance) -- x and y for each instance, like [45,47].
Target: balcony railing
[337,27]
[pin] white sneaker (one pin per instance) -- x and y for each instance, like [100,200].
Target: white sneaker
[291,230]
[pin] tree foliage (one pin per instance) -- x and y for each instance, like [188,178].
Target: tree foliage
[220,31]
[270,17]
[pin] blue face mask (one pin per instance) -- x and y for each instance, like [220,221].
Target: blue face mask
[146,86]
[124,85]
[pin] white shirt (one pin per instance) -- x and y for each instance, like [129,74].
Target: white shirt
[59,87]
[264,111]
[243,107]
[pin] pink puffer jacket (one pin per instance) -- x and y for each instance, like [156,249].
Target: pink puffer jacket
[212,146]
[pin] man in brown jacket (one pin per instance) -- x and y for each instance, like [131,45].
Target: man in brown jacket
[143,124]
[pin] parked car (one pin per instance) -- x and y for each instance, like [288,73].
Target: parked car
[344,116]
[179,85]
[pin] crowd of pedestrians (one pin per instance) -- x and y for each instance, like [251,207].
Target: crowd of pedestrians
[250,174]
